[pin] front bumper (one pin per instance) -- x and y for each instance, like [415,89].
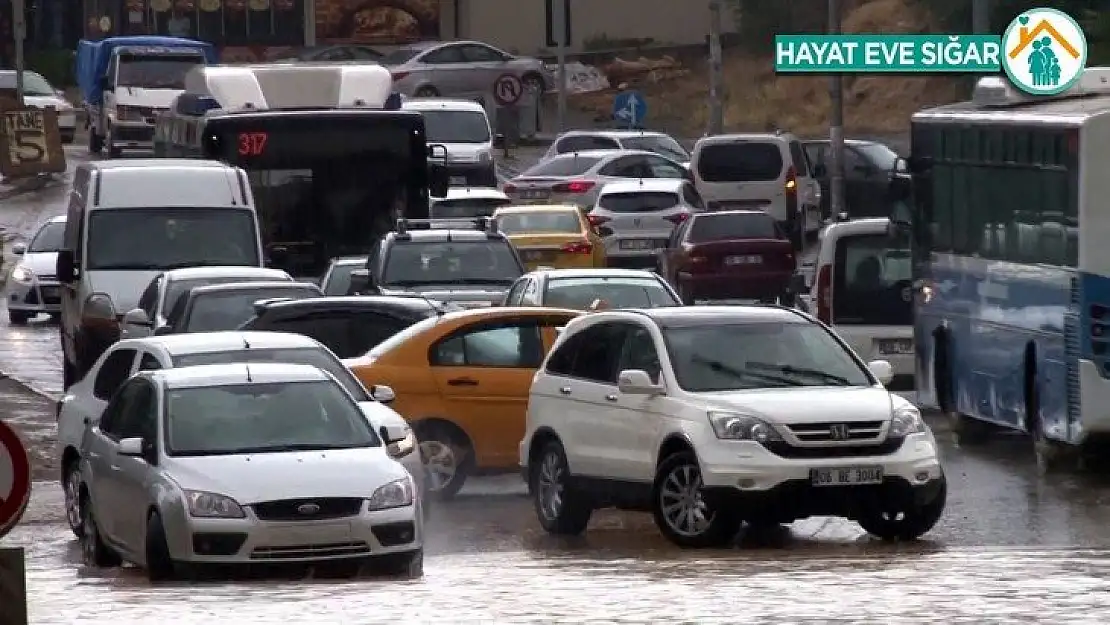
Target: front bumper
[36,296]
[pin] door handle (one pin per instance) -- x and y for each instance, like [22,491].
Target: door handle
[92,455]
[610,398]
[115,467]
[565,390]
[462,382]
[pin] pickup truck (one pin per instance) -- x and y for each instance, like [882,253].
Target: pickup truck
[127,81]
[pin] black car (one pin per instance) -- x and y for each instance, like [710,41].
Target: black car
[869,166]
[219,307]
[348,326]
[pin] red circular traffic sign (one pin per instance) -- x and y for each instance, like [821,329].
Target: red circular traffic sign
[18,468]
[507,89]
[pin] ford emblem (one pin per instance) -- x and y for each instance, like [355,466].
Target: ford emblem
[308,509]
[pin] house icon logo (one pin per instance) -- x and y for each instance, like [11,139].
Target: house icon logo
[1044,51]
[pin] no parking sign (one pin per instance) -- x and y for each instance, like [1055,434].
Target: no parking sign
[15,478]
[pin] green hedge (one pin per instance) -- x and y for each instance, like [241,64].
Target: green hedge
[55,65]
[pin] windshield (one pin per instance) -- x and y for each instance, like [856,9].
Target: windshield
[563,166]
[882,156]
[227,310]
[724,227]
[638,201]
[540,222]
[49,238]
[466,208]
[663,146]
[456,126]
[487,261]
[263,418]
[616,292]
[170,238]
[339,279]
[33,84]
[155,72]
[315,356]
[871,282]
[740,356]
[177,288]
[399,56]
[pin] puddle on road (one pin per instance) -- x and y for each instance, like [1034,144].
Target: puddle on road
[32,416]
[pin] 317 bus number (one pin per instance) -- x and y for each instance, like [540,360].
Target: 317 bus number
[252,143]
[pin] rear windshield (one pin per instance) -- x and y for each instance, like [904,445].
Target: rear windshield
[871,282]
[177,288]
[214,312]
[661,145]
[740,162]
[616,292]
[638,202]
[564,166]
[710,227]
[540,222]
[319,358]
[466,208]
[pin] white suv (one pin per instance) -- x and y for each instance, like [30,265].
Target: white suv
[713,416]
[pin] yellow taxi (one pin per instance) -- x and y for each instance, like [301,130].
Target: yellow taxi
[551,236]
[462,379]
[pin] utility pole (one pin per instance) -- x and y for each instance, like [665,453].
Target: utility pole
[19,28]
[716,78]
[559,26]
[980,17]
[836,126]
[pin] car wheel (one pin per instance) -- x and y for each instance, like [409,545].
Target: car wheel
[534,82]
[448,461]
[71,490]
[682,513]
[160,566]
[559,508]
[909,524]
[18,317]
[93,549]
[409,564]
[427,91]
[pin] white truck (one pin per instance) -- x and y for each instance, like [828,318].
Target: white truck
[127,81]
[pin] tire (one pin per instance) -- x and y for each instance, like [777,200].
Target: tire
[409,565]
[160,567]
[968,432]
[96,142]
[679,475]
[913,524]
[18,317]
[535,82]
[427,91]
[71,491]
[1049,455]
[448,461]
[559,508]
[93,549]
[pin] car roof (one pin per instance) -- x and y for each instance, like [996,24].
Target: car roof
[768,137]
[595,154]
[250,286]
[234,374]
[735,211]
[443,235]
[209,342]
[555,274]
[158,163]
[442,104]
[535,208]
[59,219]
[350,260]
[670,185]
[686,316]
[613,133]
[410,303]
[194,273]
[482,193]
[867,225]
[846,142]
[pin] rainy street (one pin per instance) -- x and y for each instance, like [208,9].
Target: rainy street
[1012,547]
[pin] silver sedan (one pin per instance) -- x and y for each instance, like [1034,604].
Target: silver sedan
[460,68]
[32,287]
[577,177]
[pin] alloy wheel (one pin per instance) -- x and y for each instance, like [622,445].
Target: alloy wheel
[549,486]
[684,510]
[440,464]
[72,494]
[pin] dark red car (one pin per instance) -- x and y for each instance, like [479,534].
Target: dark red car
[737,254]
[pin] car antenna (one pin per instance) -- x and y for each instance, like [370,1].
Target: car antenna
[247,365]
[246,343]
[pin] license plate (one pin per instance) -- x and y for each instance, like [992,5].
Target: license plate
[535,194]
[309,534]
[537,256]
[637,244]
[457,180]
[744,260]
[896,346]
[846,476]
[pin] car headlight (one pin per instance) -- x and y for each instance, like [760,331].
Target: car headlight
[403,447]
[22,274]
[741,427]
[213,505]
[906,420]
[396,494]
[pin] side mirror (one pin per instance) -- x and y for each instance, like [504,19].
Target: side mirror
[136,317]
[64,267]
[499,141]
[439,180]
[360,282]
[637,382]
[19,249]
[882,371]
[382,393]
[131,447]
[392,433]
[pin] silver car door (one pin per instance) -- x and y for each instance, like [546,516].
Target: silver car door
[484,66]
[103,458]
[131,474]
[447,70]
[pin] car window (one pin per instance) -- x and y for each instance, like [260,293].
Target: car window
[854,163]
[638,352]
[729,226]
[798,155]
[137,418]
[614,291]
[369,329]
[481,54]
[691,197]
[315,356]
[871,282]
[816,152]
[115,369]
[581,143]
[227,310]
[467,208]
[335,54]
[117,421]
[364,54]
[879,155]
[149,362]
[564,166]
[148,301]
[664,146]
[339,279]
[531,296]
[627,167]
[50,238]
[663,168]
[176,288]
[514,345]
[482,261]
[638,201]
[590,354]
[540,222]
[446,54]
[399,56]
[740,161]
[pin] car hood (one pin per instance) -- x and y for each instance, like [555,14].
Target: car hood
[251,478]
[40,263]
[462,296]
[817,404]
[142,96]
[43,101]
[379,414]
[124,287]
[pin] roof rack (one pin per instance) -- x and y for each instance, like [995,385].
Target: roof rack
[484,224]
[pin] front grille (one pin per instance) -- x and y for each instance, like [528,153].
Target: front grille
[308,509]
[840,433]
[786,450]
[302,552]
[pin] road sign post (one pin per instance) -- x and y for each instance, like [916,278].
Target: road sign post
[630,109]
[15,494]
[507,93]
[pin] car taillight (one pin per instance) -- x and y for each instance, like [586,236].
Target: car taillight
[791,180]
[824,294]
[597,220]
[400,75]
[578,186]
[697,260]
[508,188]
[677,218]
[579,247]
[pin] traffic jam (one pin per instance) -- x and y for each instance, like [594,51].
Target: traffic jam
[299,330]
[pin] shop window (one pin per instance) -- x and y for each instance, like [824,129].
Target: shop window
[229,22]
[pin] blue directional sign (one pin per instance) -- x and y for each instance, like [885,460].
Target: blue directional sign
[630,108]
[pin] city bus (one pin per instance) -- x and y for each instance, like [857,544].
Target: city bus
[1011,260]
[331,158]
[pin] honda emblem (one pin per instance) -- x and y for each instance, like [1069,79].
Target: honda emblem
[838,431]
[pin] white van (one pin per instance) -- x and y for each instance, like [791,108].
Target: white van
[862,287]
[766,171]
[463,128]
[129,220]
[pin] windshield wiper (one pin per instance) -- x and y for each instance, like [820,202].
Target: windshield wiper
[720,367]
[269,449]
[791,370]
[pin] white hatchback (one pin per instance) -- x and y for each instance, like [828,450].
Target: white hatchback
[713,416]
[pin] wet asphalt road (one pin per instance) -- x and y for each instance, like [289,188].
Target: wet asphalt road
[1013,547]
